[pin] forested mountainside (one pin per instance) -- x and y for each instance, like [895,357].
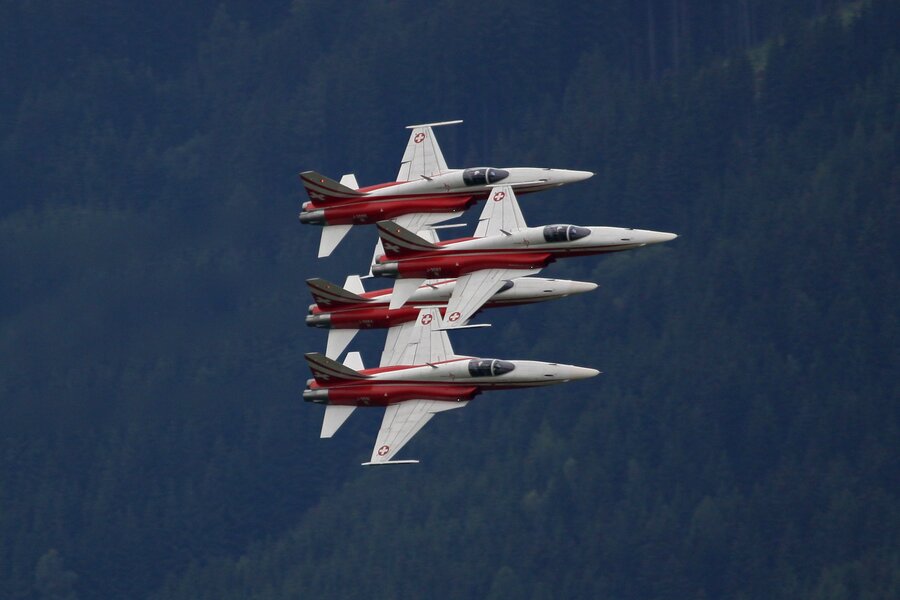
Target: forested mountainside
[740,443]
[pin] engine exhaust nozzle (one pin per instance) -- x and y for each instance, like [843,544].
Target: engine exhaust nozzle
[386,270]
[322,320]
[316,396]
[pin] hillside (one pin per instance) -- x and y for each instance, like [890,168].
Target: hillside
[740,443]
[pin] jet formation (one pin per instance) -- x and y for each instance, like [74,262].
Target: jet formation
[438,286]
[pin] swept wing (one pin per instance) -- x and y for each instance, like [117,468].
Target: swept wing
[423,156]
[417,342]
[501,215]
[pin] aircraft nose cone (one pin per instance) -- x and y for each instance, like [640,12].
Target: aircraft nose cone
[570,176]
[667,237]
[580,287]
[585,373]
[570,372]
[657,237]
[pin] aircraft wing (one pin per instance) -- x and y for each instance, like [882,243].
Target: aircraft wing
[417,342]
[423,156]
[474,289]
[331,237]
[501,213]
[401,422]
[418,223]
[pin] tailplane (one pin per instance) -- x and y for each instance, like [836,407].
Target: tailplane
[321,189]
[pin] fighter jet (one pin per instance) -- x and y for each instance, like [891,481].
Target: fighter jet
[504,247]
[419,376]
[346,310]
[426,190]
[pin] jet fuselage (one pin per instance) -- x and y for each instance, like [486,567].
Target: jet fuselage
[376,314]
[454,380]
[529,248]
[453,191]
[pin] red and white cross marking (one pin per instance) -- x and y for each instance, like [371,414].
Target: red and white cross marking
[499,196]
[426,319]
[419,137]
[384,450]
[455,316]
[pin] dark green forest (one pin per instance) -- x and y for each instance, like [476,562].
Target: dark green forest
[742,441]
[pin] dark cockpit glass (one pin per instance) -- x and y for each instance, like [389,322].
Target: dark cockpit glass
[564,233]
[576,233]
[475,176]
[483,176]
[487,367]
[495,175]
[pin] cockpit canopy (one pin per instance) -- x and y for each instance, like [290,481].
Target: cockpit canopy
[488,367]
[483,176]
[564,233]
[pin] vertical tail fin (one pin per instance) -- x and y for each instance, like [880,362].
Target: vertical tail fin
[399,242]
[321,189]
[326,370]
[329,295]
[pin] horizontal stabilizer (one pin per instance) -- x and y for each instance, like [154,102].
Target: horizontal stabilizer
[331,237]
[335,415]
[338,340]
[403,290]
[391,462]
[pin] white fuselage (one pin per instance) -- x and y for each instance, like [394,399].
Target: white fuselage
[454,181]
[521,290]
[526,373]
[532,238]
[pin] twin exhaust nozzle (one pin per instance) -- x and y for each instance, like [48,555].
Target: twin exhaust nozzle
[386,270]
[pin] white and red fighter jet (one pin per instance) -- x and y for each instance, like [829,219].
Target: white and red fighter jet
[343,311]
[419,376]
[503,247]
[426,190]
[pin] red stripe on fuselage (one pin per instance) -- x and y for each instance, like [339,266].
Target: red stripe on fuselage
[405,199]
[361,213]
[382,317]
[377,318]
[439,264]
[447,250]
[384,395]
